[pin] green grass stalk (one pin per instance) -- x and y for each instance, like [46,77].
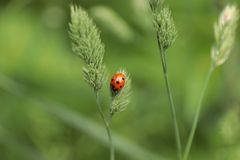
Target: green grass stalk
[170,97]
[196,117]
[107,127]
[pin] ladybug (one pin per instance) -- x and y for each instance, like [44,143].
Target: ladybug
[117,82]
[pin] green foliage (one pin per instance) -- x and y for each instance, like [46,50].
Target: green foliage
[229,126]
[86,43]
[225,31]
[113,23]
[163,24]
[122,98]
[38,57]
[64,114]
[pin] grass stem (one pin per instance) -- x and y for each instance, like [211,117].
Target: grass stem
[106,123]
[196,118]
[170,97]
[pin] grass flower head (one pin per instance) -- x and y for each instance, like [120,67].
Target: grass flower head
[225,31]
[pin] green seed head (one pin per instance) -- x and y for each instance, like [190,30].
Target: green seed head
[163,24]
[86,43]
[225,31]
[121,99]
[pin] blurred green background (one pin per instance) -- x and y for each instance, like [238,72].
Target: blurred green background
[48,112]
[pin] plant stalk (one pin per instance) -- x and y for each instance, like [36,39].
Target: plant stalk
[170,98]
[107,127]
[196,118]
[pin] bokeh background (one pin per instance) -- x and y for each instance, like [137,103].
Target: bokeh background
[48,112]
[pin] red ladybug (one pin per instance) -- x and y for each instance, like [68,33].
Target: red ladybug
[117,82]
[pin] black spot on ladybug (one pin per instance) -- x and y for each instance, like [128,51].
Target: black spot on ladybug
[121,86]
[123,78]
[112,79]
[117,82]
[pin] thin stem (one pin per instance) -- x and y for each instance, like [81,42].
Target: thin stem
[170,98]
[196,118]
[106,123]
